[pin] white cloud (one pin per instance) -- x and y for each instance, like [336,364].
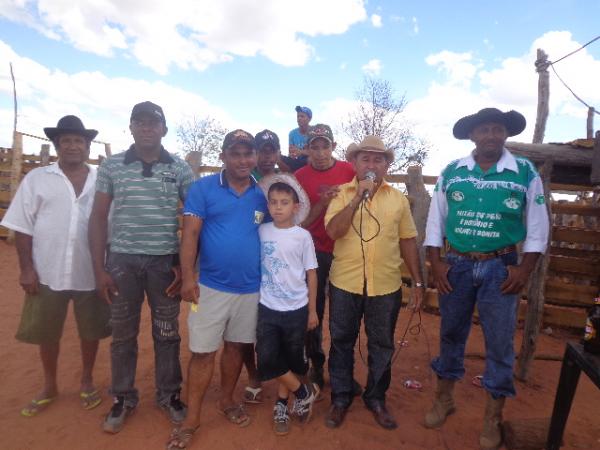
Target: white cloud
[192,35]
[456,66]
[373,67]
[102,102]
[512,84]
[376,20]
[415,23]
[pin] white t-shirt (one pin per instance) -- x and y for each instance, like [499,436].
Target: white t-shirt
[46,208]
[285,256]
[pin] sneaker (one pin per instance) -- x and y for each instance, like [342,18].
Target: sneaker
[281,419]
[315,375]
[175,409]
[302,408]
[115,419]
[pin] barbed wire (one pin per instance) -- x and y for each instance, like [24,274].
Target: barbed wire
[48,140]
[551,64]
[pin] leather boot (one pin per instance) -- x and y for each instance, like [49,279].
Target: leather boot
[443,405]
[491,435]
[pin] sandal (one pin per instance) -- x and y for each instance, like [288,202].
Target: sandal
[252,395]
[36,406]
[89,400]
[236,414]
[179,437]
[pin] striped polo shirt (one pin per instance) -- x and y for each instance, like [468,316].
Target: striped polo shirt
[145,200]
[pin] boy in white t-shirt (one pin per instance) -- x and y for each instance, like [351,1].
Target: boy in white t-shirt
[287,307]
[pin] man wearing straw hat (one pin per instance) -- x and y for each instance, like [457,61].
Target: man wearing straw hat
[50,214]
[373,230]
[483,205]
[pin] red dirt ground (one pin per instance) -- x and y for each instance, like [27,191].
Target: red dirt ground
[66,425]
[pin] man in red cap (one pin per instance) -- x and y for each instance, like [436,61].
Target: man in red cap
[320,179]
[50,214]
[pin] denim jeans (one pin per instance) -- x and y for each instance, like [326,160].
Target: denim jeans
[478,283]
[345,313]
[136,275]
[314,338]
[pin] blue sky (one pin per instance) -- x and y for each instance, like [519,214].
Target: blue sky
[249,63]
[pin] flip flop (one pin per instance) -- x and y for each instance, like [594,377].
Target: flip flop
[89,400]
[252,395]
[477,380]
[36,406]
[236,414]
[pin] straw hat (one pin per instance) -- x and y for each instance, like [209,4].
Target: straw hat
[266,182]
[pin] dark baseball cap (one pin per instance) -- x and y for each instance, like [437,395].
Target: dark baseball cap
[304,109]
[238,137]
[266,137]
[148,109]
[320,130]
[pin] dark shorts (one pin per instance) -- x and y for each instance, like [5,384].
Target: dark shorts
[280,342]
[44,315]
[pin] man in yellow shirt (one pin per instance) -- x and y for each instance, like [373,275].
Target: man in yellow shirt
[373,230]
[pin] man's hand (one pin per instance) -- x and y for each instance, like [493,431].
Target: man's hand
[190,292]
[313,320]
[175,287]
[105,286]
[516,280]
[439,272]
[416,298]
[29,281]
[328,194]
[294,151]
[365,186]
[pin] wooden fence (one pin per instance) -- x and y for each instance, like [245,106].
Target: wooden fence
[574,257]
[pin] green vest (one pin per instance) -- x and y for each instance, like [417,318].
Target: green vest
[486,210]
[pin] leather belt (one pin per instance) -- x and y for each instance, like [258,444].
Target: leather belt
[483,256]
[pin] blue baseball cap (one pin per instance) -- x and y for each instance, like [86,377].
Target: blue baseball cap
[304,109]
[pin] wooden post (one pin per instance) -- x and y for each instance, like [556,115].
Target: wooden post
[595,175]
[590,123]
[15,172]
[541,66]
[415,188]
[535,291]
[194,159]
[45,155]
[107,150]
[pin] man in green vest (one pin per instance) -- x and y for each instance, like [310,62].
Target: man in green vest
[482,207]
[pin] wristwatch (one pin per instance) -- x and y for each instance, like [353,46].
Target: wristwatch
[419,284]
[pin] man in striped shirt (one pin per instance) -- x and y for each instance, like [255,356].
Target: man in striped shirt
[144,186]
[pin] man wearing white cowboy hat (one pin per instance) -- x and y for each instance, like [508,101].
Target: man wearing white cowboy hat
[50,215]
[483,205]
[374,231]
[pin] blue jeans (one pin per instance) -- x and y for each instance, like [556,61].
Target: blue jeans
[346,311]
[136,275]
[478,283]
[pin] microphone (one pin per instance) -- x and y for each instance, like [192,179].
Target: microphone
[368,176]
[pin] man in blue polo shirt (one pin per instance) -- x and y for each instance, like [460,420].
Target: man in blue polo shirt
[221,217]
[483,205]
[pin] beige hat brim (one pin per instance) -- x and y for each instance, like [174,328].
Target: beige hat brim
[265,184]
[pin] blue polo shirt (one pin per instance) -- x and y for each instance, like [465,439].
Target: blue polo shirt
[229,245]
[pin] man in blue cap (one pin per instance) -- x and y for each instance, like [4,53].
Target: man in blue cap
[298,138]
